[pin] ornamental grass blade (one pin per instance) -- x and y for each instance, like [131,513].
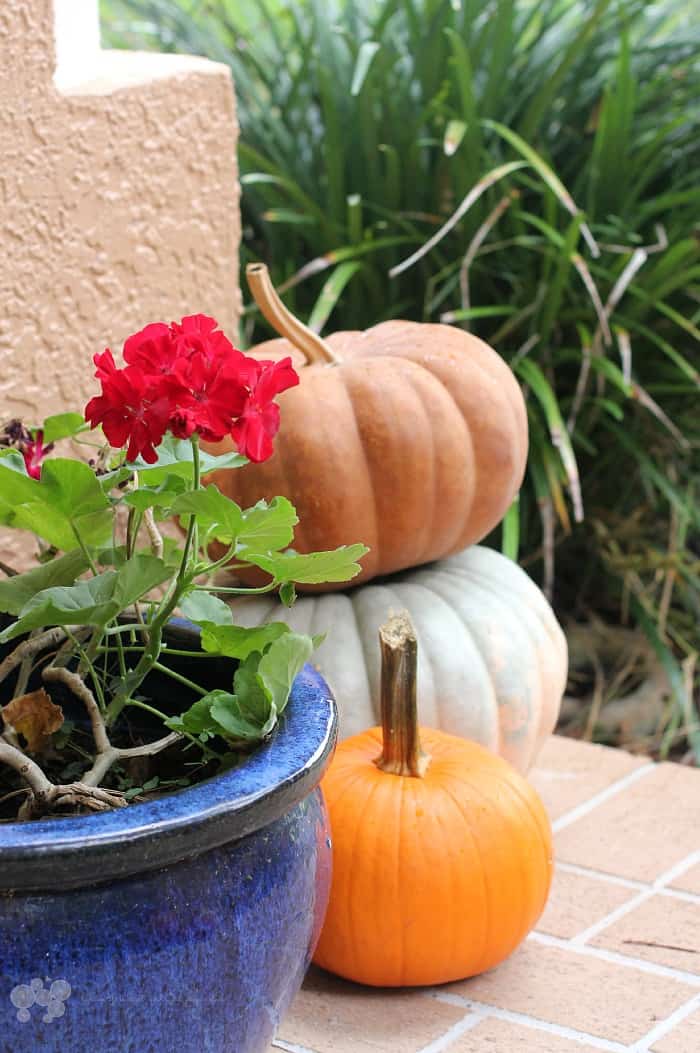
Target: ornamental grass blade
[496,174]
[548,176]
[331,293]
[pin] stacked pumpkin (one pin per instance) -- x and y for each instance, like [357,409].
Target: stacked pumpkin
[413,439]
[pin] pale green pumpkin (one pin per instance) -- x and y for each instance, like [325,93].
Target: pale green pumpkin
[492,658]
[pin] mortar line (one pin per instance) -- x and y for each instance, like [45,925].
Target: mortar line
[664,1026]
[601,797]
[604,955]
[486,1011]
[648,893]
[462,1026]
[290,1047]
[605,878]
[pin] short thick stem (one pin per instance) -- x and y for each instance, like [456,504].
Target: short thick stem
[402,753]
[283,321]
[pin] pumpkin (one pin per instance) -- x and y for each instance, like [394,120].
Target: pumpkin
[442,852]
[409,437]
[492,659]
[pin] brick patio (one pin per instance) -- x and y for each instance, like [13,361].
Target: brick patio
[615,961]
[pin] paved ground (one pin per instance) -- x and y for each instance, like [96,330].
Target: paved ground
[614,963]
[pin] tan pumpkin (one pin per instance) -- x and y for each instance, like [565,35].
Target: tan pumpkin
[409,437]
[442,853]
[492,658]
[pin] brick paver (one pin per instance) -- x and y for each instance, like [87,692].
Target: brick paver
[614,964]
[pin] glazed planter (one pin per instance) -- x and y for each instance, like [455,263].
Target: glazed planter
[180,925]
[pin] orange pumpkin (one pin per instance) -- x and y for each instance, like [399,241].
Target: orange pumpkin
[409,437]
[442,860]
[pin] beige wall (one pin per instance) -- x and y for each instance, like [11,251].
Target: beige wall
[118,206]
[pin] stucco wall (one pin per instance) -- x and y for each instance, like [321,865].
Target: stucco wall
[118,206]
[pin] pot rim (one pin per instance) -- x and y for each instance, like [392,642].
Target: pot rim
[72,852]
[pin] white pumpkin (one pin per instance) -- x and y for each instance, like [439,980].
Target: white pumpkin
[492,659]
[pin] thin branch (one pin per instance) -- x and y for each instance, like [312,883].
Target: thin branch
[74,683]
[29,770]
[30,647]
[154,534]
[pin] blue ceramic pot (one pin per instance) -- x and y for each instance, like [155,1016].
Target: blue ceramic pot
[182,925]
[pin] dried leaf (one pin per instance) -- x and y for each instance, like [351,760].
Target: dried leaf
[35,717]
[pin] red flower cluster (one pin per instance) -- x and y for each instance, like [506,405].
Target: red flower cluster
[184,378]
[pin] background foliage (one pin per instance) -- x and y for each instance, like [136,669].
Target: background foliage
[561,140]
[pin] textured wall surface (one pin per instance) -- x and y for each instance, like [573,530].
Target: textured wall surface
[118,206]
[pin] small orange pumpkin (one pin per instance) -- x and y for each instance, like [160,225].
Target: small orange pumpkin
[442,860]
[410,437]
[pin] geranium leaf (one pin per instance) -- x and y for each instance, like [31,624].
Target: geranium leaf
[267,527]
[254,698]
[314,567]
[226,711]
[161,496]
[63,426]
[280,665]
[89,601]
[204,609]
[215,512]
[94,601]
[137,577]
[233,641]
[175,457]
[68,497]
[17,591]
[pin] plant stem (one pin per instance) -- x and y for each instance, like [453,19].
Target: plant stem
[283,321]
[240,591]
[166,608]
[85,550]
[180,679]
[402,753]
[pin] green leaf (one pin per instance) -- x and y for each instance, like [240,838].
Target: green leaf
[86,602]
[196,720]
[214,512]
[95,601]
[161,496]
[288,594]
[63,426]
[314,567]
[226,712]
[175,458]
[281,664]
[267,527]
[254,699]
[217,713]
[203,608]
[16,592]
[67,498]
[137,577]
[234,641]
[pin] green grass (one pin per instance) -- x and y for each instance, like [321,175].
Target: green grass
[539,162]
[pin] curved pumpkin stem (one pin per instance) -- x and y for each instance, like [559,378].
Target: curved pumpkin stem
[283,321]
[402,753]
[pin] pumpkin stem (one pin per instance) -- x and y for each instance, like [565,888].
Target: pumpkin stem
[283,321]
[402,753]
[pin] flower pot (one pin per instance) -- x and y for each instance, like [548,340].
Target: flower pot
[181,925]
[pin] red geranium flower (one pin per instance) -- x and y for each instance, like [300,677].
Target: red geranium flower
[188,377]
[259,421]
[131,408]
[152,350]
